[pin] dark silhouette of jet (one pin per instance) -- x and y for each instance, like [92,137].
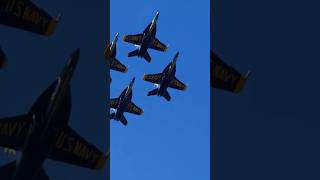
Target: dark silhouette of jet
[44,133]
[146,40]
[110,54]
[225,77]
[124,104]
[165,79]
[3,59]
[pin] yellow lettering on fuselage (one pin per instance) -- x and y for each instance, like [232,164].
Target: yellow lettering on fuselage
[224,74]
[152,77]
[11,128]
[22,10]
[70,145]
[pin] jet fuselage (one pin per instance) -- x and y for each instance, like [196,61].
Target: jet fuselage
[113,46]
[149,34]
[124,98]
[169,72]
[49,115]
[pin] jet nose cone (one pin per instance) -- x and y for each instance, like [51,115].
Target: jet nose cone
[76,54]
[74,58]
[176,57]
[117,36]
[132,81]
[157,16]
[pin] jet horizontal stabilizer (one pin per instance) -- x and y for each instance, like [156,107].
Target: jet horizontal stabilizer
[133,53]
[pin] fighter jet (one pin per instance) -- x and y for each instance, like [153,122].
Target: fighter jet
[165,79]
[25,15]
[3,59]
[44,133]
[225,77]
[146,40]
[110,54]
[124,104]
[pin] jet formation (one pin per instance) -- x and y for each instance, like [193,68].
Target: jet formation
[146,40]
[164,80]
[43,133]
[225,77]
[25,15]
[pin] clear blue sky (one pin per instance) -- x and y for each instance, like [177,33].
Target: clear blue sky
[171,140]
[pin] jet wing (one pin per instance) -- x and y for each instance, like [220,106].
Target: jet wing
[13,131]
[134,109]
[114,103]
[176,84]
[134,39]
[118,66]
[158,45]
[25,15]
[223,76]
[153,78]
[71,148]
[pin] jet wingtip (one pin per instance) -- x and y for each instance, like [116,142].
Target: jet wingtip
[3,63]
[101,162]
[248,74]
[185,88]
[144,77]
[58,17]
[124,38]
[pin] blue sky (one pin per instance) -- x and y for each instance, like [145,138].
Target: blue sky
[171,140]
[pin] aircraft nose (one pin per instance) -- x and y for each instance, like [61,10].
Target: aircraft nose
[176,57]
[76,54]
[157,15]
[74,58]
[132,81]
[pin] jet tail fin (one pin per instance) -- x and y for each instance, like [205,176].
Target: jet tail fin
[133,53]
[167,96]
[123,120]
[153,92]
[112,115]
[147,57]
[42,175]
[7,172]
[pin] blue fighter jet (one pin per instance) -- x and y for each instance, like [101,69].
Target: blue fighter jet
[124,104]
[146,40]
[165,79]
